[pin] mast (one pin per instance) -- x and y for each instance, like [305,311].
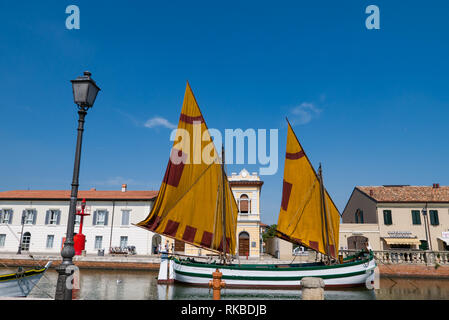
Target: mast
[223,215]
[323,207]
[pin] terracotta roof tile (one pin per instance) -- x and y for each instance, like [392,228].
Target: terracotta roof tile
[406,193]
[65,195]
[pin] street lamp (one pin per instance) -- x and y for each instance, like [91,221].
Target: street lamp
[19,251]
[85,91]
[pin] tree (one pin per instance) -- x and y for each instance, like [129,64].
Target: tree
[270,232]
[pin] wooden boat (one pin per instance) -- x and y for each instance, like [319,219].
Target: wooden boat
[195,204]
[21,283]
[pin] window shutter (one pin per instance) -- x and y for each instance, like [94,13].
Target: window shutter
[1,216]
[34,216]
[47,217]
[11,213]
[125,218]
[58,217]
[94,218]
[434,218]
[106,214]
[24,214]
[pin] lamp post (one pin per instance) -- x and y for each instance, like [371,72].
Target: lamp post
[19,251]
[85,91]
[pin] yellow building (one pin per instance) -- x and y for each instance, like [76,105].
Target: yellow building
[246,188]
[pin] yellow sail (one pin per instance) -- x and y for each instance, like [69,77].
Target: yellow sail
[303,217]
[189,206]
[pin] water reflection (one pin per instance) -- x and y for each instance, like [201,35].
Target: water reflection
[142,285]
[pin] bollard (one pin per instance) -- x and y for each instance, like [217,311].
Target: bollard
[312,288]
[216,284]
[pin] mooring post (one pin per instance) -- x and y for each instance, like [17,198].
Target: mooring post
[312,288]
[217,284]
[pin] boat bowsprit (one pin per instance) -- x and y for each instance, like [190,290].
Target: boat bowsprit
[20,284]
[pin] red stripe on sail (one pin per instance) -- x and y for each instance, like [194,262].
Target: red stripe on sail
[171,228]
[188,119]
[286,190]
[189,234]
[206,240]
[154,222]
[332,250]
[220,247]
[175,168]
[314,245]
[295,156]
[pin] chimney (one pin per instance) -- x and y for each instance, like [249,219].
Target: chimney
[93,189]
[124,187]
[436,185]
[371,192]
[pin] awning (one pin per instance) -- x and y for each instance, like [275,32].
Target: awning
[410,241]
[445,240]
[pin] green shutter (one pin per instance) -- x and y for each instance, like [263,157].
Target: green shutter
[416,218]
[387,217]
[434,221]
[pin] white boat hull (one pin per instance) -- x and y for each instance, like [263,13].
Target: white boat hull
[350,274]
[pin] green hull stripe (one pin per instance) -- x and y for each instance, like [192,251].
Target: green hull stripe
[271,267]
[330,276]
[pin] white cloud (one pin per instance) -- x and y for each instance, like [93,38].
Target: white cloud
[304,113]
[159,122]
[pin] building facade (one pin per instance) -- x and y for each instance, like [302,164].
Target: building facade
[112,219]
[397,217]
[45,215]
[246,188]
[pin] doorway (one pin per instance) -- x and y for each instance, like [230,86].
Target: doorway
[244,244]
[26,240]
[357,242]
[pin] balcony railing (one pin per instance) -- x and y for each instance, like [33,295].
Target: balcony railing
[417,257]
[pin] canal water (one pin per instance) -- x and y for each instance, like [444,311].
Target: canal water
[142,285]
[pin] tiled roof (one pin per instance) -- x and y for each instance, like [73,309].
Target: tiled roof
[407,193]
[65,195]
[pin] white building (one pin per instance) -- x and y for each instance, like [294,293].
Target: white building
[110,224]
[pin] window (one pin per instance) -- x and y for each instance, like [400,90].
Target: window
[98,242]
[434,217]
[50,240]
[416,217]
[244,204]
[2,240]
[387,217]
[125,217]
[29,216]
[6,216]
[52,217]
[101,217]
[123,242]
[359,216]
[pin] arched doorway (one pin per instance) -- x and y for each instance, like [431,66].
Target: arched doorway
[155,242]
[26,240]
[357,242]
[244,244]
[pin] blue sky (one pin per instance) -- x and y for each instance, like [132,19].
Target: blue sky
[371,105]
